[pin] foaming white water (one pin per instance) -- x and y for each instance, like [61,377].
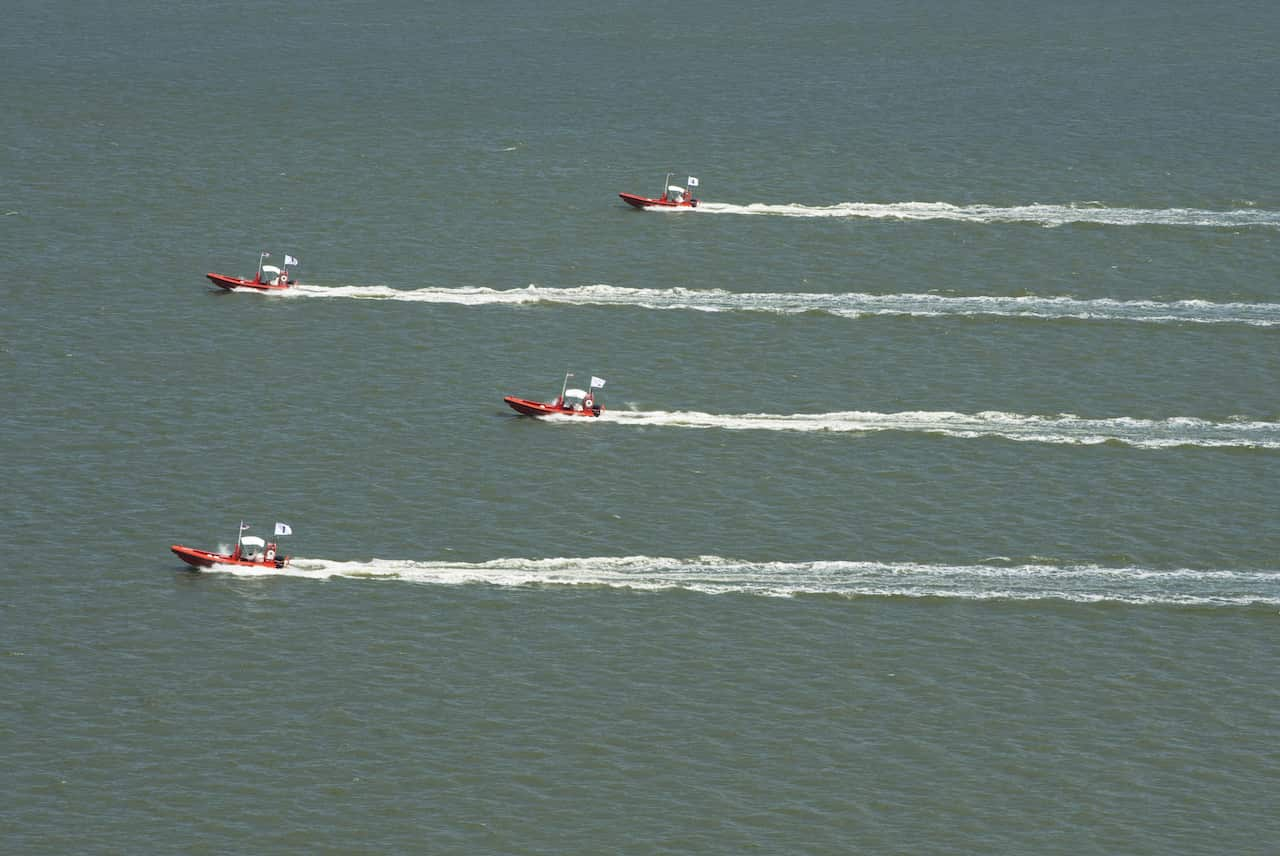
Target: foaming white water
[1044,215]
[1064,428]
[716,575]
[846,305]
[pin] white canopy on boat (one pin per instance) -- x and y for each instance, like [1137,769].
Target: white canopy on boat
[271,269]
[575,393]
[675,188]
[252,541]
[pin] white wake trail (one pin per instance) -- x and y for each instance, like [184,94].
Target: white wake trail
[845,305]
[1062,429]
[1043,215]
[991,580]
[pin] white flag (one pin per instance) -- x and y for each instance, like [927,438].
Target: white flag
[693,182]
[289,260]
[597,382]
[243,526]
[283,529]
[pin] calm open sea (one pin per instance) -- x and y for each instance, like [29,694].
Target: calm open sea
[933,509]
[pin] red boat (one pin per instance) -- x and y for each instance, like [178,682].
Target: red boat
[571,402]
[250,552]
[268,277]
[674,196]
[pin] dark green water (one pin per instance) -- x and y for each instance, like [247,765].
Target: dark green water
[932,511]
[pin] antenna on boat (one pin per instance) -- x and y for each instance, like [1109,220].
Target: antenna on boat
[666,182]
[564,386]
[261,255]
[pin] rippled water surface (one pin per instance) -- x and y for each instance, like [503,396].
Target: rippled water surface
[932,508]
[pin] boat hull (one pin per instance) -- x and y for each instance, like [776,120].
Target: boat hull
[646,202]
[231,283]
[204,559]
[525,407]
